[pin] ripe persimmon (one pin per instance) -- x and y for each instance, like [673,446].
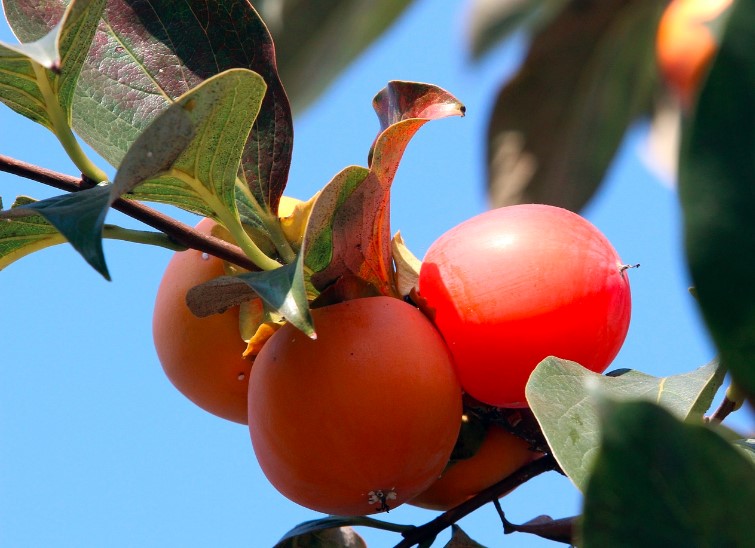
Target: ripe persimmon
[500,454]
[514,285]
[202,357]
[361,419]
[685,44]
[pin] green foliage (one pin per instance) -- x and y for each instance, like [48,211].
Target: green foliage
[168,48]
[660,482]
[562,395]
[25,235]
[717,189]
[38,79]
[284,290]
[80,217]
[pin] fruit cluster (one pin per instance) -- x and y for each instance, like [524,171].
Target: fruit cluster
[367,415]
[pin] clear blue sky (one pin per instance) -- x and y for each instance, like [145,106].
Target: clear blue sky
[96,446]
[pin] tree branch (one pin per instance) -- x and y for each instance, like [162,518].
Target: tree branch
[445,520]
[180,232]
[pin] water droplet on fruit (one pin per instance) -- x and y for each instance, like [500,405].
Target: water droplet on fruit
[241,376]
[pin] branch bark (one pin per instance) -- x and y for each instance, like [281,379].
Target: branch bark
[432,528]
[181,233]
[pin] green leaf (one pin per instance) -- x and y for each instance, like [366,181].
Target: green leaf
[158,148]
[332,522]
[561,394]
[203,178]
[716,182]
[22,236]
[659,482]
[348,233]
[79,217]
[283,290]
[314,41]
[491,21]
[557,124]
[148,54]
[38,78]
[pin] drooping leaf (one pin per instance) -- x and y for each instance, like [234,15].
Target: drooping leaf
[316,40]
[557,124]
[332,522]
[147,54]
[561,395]
[349,228]
[660,482]
[283,290]
[717,190]
[203,178]
[491,21]
[38,78]
[79,217]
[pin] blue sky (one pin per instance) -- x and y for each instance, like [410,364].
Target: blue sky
[96,446]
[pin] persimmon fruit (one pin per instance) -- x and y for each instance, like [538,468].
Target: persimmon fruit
[500,455]
[202,357]
[361,419]
[685,44]
[514,285]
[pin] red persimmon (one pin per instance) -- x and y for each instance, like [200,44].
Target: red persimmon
[515,285]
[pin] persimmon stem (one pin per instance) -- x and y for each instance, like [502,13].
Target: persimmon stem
[180,232]
[432,528]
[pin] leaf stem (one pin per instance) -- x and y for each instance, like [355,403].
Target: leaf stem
[229,219]
[62,129]
[147,237]
[271,223]
[179,232]
[446,519]
[245,242]
[280,241]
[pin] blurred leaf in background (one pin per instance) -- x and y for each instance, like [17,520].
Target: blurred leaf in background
[588,75]
[314,41]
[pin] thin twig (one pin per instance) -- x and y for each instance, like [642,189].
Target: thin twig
[727,406]
[180,232]
[446,519]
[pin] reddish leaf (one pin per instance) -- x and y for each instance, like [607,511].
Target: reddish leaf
[349,230]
